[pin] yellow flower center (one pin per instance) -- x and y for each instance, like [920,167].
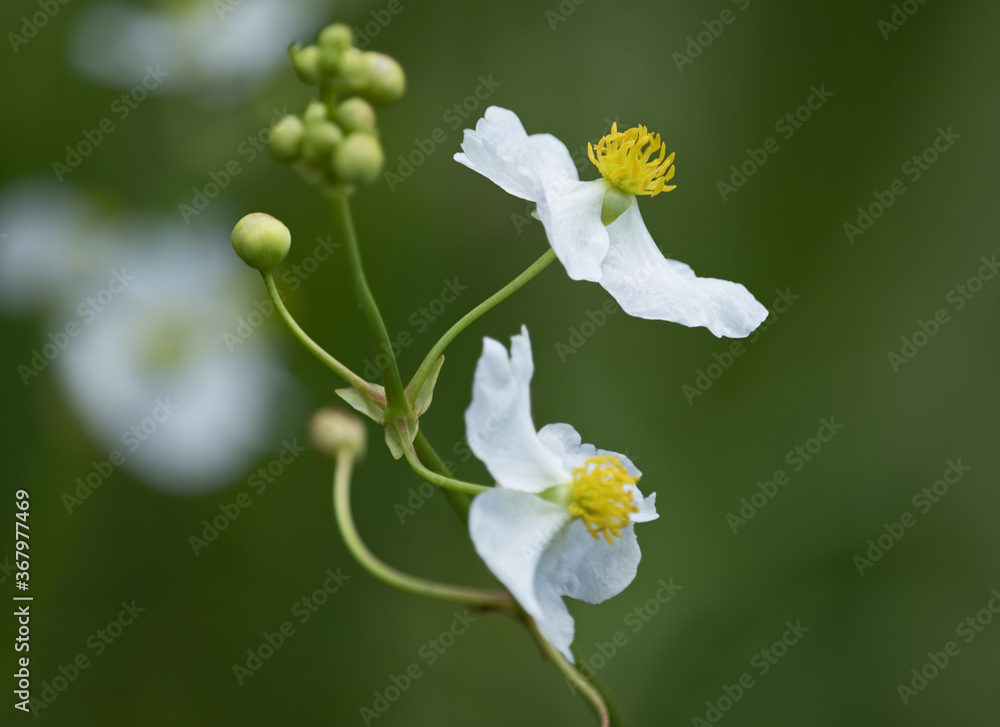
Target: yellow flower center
[600,498]
[623,158]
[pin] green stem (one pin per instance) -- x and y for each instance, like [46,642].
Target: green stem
[345,373]
[395,398]
[388,574]
[442,481]
[614,707]
[573,676]
[505,292]
[459,501]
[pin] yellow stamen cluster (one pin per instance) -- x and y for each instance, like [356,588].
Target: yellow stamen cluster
[623,158]
[600,498]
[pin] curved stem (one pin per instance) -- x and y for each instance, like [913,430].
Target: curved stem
[340,369]
[458,500]
[614,707]
[387,574]
[395,398]
[442,481]
[505,292]
[573,676]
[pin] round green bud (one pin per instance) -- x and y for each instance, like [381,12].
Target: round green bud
[358,158]
[352,71]
[285,144]
[338,36]
[335,432]
[306,63]
[356,114]
[261,241]
[329,60]
[316,111]
[320,139]
[386,80]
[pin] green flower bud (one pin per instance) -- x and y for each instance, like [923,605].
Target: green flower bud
[316,111]
[335,432]
[320,139]
[261,241]
[356,114]
[285,144]
[329,60]
[352,71]
[334,41]
[338,36]
[306,63]
[386,80]
[358,158]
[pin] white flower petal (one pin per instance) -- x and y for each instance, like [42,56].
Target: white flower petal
[648,285]
[512,532]
[554,619]
[571,213]
[590,569]
[646,505]
[551,160]
[498,422]
[567,444]
[500,150]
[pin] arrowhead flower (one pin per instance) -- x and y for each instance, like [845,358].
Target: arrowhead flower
[595,227]
[560,521]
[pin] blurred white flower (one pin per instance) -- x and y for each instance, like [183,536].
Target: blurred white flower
[147,371]
[219,52]
[560,521]
[53,236]
[595,227]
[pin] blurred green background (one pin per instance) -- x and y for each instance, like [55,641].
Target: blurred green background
[825,356]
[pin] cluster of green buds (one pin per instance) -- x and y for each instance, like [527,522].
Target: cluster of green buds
[336,141]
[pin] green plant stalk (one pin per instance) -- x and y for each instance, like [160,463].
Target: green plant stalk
[387,574]
[614,707]
[505,292]
[460,502]
[338,368]
[443,481]
[396,403]
[421,452]
[573,676]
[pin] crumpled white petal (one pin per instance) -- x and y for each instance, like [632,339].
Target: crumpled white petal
[648,285]
[511,532]
[571,214]
[498,422]
[540,169]
[566,443]
[552,162]
[590,569]
[499,149]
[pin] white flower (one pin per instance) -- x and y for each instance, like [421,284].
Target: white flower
[161,341]
[220,52]
[595,227]
[559,522]
[151,304]
[52,236]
